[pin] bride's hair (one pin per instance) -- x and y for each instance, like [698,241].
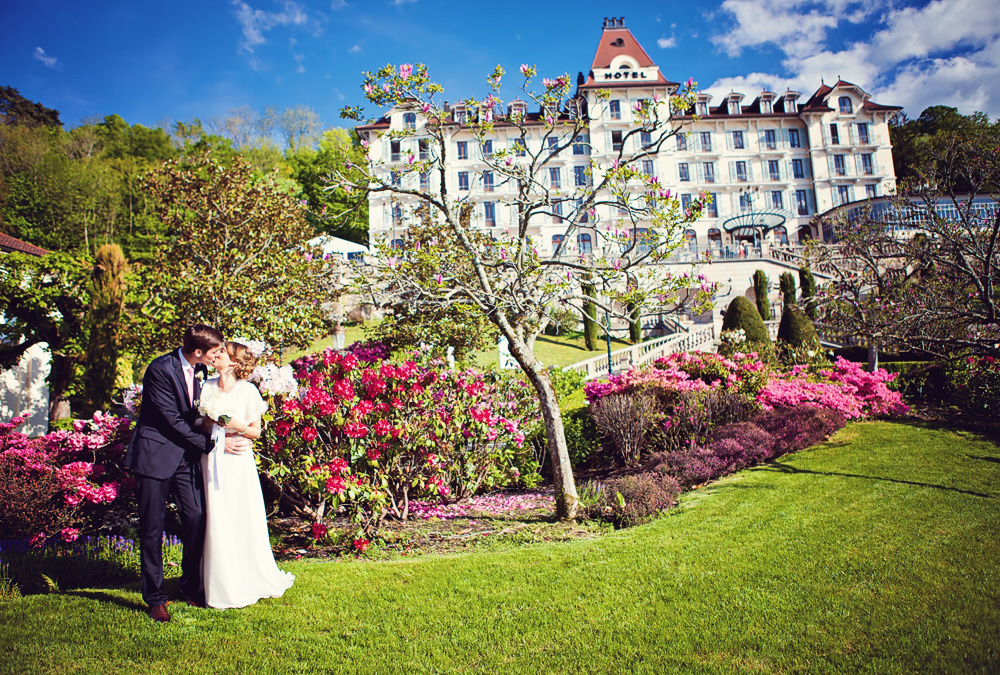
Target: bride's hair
[243,359]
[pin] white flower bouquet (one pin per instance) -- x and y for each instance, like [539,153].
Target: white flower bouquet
[215,404]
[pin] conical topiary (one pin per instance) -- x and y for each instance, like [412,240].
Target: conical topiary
[808,283]
[795,328]
[589,318]
[760,291]
[787,284]
[742,313]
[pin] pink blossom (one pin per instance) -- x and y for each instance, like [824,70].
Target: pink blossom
[405,70]
[69,534]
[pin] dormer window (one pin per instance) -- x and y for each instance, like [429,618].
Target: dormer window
[701,108]
[846,107]
[460,115]
[410,120]
[734,107]
[765,106]
[790,106]
[518,108]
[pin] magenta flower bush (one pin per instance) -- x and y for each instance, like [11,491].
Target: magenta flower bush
[371,436]
[63,483]
[845,387]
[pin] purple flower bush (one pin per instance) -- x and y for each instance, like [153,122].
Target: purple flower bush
[636,499]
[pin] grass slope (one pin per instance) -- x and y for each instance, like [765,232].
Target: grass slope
[874,553]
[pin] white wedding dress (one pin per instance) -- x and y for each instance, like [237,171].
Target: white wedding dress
[238,565]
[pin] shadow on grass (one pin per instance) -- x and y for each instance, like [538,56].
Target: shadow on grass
[110,598]
[789,469]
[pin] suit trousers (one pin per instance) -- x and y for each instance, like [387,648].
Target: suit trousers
[152,494]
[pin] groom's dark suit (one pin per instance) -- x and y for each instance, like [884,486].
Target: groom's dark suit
[165,454]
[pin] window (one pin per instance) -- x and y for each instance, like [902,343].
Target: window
[460,115]
[555,180]
[734,107]
[846,106]
[487,148]
[867,166]
[765,106]
[396,244]
[685,201]
[463,149]
[794,140]
[741,172]
[834,135]
[770,140]
[706,141]
[646,138]
[839,167]
[487,181]
[520,148]
[802,202]
[701,108]
[712,209]
[691,237]
[640,236]
[616,140]
[557,240]
[790,105]
[490,213]
[843,193]
[776,200]
[396,178]
[397,219]
[580,176]
[581,145]
[709,170]
[423,148]
[797,169]
[781,235]
[556,210]
[410,120]
[615,108]
[745,202]
[463,180]
[584,243]
[682,171]
[425,180]
[553,144]
[682,142]
[394,150]
[647,167]
[773,170]
[870,192]
[737,140]
[714,236]
[863,136]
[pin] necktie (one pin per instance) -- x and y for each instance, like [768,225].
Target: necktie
[189,376]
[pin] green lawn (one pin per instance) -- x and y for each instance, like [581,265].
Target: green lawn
[874,553]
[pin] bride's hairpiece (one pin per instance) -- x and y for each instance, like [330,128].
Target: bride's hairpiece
[256,347]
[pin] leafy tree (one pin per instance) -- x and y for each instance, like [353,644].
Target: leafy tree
[15,109]
[509,282]
[44,301]
[107,298]
[299,126]
[760,291]
[240,261]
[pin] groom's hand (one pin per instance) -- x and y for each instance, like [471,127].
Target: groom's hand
[237,445]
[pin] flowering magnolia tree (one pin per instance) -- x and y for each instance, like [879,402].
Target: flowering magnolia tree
[923,274]
[445,260]
[370,435]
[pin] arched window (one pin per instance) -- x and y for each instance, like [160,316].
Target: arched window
[556,240]
[396,244]
[642,239]
[714,236]
[781,235]
[691,237]
[845,105]
[410,120]
[584,243]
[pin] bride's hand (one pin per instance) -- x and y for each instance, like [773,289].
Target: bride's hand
[236,426]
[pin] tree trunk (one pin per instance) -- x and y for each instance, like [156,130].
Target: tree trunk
[60,375]
[872,357]
[562,472]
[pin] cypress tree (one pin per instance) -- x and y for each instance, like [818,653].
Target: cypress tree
[589,317]
[760,290]
[808,283]
[787,283]
[107,299]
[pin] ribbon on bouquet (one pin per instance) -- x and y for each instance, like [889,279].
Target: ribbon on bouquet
[215,457]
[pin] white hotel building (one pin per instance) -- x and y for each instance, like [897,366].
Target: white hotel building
[771,163]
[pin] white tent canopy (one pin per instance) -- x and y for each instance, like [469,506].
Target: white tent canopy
[348,250]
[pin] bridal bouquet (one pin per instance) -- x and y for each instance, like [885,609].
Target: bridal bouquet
[216,405]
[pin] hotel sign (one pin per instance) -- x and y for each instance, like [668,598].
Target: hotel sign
[627,74]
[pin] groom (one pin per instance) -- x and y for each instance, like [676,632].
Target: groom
[165,454]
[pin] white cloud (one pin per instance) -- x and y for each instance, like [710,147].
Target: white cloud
[49,61]
[399,3]
[256,22]
[667,42]
[944,52]
[355,49]
[338,4]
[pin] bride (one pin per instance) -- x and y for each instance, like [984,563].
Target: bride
[238,565]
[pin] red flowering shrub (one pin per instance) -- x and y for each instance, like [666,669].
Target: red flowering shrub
[66,480]
[633,500]
[372,436]
[798,428]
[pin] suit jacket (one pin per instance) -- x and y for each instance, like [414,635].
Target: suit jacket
[165,434]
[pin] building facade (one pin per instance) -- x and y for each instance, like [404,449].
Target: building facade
[771,164]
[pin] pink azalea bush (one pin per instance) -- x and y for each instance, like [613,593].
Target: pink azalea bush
[66,480]
[371,436]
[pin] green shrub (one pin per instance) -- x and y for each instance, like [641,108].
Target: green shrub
[918,380]
[787,284]
[741,314]
[796,329]
[633,500]
[760,291]
[589,318]
[808,283]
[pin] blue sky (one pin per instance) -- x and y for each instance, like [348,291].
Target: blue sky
[154,63]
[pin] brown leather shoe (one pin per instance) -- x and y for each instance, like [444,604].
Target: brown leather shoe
[159,613]
[197,600]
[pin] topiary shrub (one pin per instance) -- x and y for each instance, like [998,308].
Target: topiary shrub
[742,315]
[798,428]
[633,500]
[760,291]
[787,284]
[796,329]
[808,283]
